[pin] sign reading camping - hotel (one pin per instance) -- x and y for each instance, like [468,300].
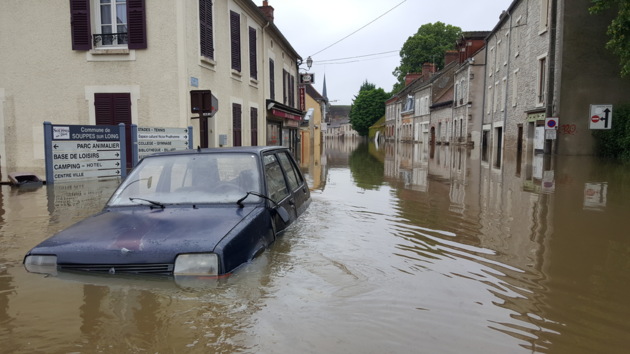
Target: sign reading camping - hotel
[77,152]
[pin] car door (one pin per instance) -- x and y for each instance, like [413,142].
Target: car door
[295,182]
[278,191]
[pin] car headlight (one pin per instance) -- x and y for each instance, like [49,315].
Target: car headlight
[199,264]
[45,264]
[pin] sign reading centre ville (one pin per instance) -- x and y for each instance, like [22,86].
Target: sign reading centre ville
[78,152]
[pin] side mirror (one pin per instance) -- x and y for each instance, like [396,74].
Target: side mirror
[284,214]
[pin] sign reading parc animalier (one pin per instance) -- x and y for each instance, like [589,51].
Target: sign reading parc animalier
[78,152]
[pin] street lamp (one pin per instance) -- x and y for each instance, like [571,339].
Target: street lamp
[309,62]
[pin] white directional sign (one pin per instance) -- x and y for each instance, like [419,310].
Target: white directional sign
[85,159]
[601,116]
[152,140]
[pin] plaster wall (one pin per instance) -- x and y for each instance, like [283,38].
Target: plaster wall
[48,81]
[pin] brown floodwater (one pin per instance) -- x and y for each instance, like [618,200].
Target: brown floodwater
[402,250]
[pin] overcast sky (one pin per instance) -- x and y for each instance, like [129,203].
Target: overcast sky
[312,26]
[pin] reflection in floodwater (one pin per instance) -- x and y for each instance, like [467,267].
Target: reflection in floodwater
[544,237]
[403,249]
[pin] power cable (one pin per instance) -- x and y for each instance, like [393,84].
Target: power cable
[356,57]
[385,13]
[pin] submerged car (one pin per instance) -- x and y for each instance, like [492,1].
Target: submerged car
[194,213]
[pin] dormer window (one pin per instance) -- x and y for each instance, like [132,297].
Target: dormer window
[409,104]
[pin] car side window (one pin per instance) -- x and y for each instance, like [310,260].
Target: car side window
[293,176]
[276,186]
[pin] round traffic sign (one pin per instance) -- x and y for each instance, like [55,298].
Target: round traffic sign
[551,123]
[595,118]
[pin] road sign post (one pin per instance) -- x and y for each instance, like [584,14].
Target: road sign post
[601,116]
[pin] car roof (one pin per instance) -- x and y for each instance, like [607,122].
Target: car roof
[236,149]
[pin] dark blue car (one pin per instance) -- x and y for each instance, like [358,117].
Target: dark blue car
[194,213]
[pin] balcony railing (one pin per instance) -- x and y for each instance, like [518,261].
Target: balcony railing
[109,39]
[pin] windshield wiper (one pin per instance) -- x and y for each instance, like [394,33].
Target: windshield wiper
[152,202]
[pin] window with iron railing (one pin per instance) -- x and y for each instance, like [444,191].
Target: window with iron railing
[112,23]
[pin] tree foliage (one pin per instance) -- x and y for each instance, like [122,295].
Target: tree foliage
[367,107]
[618,30]
[428,45]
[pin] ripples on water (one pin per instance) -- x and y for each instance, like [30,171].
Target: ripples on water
[381,262]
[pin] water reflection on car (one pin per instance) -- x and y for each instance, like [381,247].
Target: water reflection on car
[196,213]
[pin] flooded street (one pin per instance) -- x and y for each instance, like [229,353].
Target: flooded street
[402,250]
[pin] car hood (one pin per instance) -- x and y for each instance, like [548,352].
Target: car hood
[143,235]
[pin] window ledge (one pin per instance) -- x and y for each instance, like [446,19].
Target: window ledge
[237,75]
[110,51]
[207,62]
[111,54]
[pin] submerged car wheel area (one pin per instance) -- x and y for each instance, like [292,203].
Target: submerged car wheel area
[194,213]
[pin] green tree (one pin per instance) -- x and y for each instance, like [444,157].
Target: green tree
[367,107]
[615,142]
[618,30]
[428,45]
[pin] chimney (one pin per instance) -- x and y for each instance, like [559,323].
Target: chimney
[427,70]
[450,56]
[267,10]
[410,77]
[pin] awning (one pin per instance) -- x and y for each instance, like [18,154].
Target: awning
[279,110]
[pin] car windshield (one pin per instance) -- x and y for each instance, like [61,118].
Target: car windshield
[190,178]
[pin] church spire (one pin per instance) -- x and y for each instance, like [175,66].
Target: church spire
[324,89]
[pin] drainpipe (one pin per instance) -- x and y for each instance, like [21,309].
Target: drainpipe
[484,102]
[265,90]
[551,70]
[507,78]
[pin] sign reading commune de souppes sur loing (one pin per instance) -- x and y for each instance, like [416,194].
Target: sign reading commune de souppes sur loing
[76,152]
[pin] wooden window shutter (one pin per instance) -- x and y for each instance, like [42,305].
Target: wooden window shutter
[206,37]
[80,25]
[112,109]
[272,80]
[254,125]
[285,82]
[291,90]
[235,38]
[253,58]
[136,24]
[236,124]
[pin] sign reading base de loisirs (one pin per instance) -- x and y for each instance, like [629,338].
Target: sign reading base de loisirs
[79,152]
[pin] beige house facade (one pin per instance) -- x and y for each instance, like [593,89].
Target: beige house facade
[140,62]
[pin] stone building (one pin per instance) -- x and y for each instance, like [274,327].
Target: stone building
[544,62]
